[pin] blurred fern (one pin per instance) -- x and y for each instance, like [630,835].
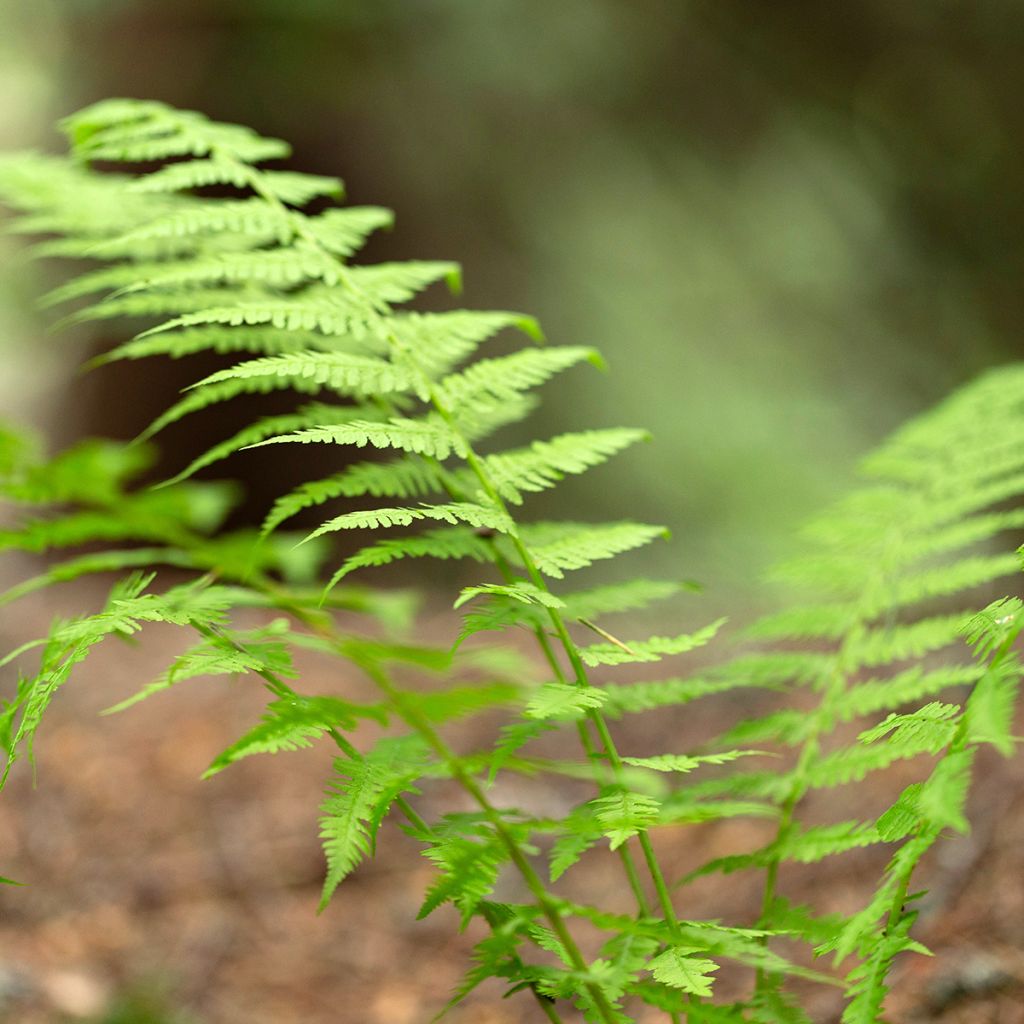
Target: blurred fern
[893,575]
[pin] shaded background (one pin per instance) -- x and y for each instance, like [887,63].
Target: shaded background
[788,225]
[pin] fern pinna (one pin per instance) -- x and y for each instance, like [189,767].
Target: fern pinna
[255,275]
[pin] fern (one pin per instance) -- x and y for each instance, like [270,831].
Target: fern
[890,586]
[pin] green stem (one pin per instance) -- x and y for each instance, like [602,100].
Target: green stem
[545,902]
[281,688]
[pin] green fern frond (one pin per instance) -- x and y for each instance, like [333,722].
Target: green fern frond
[630,595]
[342,232]
[178,344]
[215,656]
[653,649]
[442,340]
[138,131]
[309,311]
[361,376]
[581,830]
[288,186]
[632,698]
[102,562]
[678,968]
[428,436]
[313,414]
[544,463]
[905,687]
[357,799]
[563,701]
[293,723]
[480,517]
[407,477]
[623,815]
[521,592]
[504,376]
[454,542]
[929,728]
[469,870]
[991,706]
[687,763]
[558,548]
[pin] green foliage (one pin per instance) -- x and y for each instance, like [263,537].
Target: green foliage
[896,588]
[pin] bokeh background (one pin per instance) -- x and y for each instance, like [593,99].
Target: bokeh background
[788,225]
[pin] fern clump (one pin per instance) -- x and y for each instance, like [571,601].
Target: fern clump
[893,573]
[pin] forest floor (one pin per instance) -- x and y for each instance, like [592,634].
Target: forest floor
[153,898]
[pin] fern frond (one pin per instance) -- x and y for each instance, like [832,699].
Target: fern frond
[558,548]
[991,706]
[653,649]
[521,592]
[279,269]
[428,436]
[407,477]
[177,344]
[469,870]
[504,376]
[102,562]
[442,340]
[455,542]
[687,763]
[929,728]
[361,376]
[481,418]
[459,702]
[632,698]
[580,831]
[216,657]
[358,797]
[480,517]
[629,595]
[148,305]
[293,723]
[544,463]
[564,701]
[343,232]
[313,414]
[138,131]
[288,186]
[623,815]
[309,311]
[677,968]
[877,694]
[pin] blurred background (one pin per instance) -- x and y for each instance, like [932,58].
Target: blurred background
[788,225]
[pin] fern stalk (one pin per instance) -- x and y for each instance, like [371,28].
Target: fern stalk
[279,687]
[412,717]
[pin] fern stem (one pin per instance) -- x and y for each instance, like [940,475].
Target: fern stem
[280,687]
[545,902]
[586,741]
[767,980]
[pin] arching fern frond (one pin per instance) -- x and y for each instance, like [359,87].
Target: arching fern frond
[558,548]
[545,463]
[410,476]
[429,436]
[478,516]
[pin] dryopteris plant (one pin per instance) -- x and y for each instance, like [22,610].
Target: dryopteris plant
[254,274]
